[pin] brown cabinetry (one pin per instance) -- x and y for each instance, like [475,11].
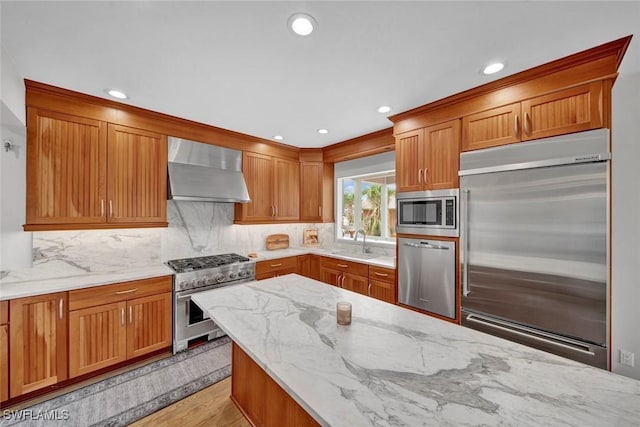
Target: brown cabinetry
[276,267]
[316,192]
[566,111]
[4,350]
[349,275]
[112,323]
[309,266]
[382,284]
[85,173]
[273,185]
[38,336]
[427,159]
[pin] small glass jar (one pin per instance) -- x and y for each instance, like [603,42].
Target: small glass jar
[343,313]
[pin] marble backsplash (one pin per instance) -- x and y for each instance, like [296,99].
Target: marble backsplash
[195,229]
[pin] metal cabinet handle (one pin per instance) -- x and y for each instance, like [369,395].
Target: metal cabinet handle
[338,280]
[419,176]
[61,308]
[380,274]
[276,265]
[126,292]
[122,316]
[525,123]
[101,207]
[130,314]
[464,242]
[424,174]
[273,210]
[276,210]
[320,211]
[369,289]
[343,265]
[110,207]
[516,126]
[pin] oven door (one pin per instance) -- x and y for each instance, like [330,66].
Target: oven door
[189,321]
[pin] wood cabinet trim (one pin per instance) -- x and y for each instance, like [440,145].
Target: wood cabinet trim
[361,146]
[106,294]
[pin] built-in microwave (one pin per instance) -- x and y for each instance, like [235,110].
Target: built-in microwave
[428,212]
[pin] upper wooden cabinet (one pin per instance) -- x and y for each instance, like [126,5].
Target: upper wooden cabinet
[566,111]
[316,192]
[84,173]
[38,336]
[273,185]
[427,159]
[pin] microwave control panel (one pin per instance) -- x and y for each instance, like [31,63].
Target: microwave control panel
[450,215]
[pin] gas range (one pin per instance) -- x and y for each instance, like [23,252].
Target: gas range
[191,273]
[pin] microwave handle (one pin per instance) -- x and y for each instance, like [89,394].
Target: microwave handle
[464,241]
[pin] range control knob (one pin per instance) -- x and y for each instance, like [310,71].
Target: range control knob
[192,284]
[201,282]
[219,277]
[242,273]
[232,275]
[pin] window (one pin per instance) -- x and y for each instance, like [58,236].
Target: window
[368,202]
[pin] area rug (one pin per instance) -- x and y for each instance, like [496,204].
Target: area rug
[127,397]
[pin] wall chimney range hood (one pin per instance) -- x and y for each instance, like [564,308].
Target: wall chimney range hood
[205,173]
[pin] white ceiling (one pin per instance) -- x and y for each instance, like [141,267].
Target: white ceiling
[236,66]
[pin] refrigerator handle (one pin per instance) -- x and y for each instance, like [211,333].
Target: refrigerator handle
[464,245]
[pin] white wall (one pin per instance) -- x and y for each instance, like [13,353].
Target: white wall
[625,220]
[12,88]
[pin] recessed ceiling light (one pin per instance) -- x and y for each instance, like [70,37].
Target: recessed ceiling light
[384,109]
[278,137]
[323,131]
[116,93]
[301,24]
[493,68]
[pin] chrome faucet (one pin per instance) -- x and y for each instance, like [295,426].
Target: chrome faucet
[365,249]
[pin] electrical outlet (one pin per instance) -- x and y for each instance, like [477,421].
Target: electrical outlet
[626,357]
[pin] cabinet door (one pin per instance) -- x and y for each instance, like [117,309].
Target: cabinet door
[258,174]
[137,167]
[311,191]
[97,337]
[66,173]
[330,276]
[287,189]
[383,291]
[442,153]
[409,161]
[38,335]
[352,282]
[4,362]
[567,111]
[149,327]
[498,126]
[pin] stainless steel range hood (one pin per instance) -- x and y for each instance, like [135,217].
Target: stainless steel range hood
[204,172]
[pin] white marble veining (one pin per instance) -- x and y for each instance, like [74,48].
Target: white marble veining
[396,367]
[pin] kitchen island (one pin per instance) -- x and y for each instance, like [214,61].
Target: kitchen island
[396,367]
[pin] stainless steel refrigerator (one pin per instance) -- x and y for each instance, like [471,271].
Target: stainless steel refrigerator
[534,243]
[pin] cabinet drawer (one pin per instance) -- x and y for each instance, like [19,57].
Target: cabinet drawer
[346,266]
[382,274]
[4,312]
[97,295]
[276,265]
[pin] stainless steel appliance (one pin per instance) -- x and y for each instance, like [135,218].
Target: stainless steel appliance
[427,275]
[202,274]
[534,243]
[204,172]
[427,212]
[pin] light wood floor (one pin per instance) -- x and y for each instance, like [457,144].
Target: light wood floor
[209,407]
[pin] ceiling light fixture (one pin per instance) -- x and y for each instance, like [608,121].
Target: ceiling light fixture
[384,109]
[116,93]
[278,137]
[493,68]
[301,24]
[323,131]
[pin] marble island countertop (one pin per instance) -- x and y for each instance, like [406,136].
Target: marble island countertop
[395,367]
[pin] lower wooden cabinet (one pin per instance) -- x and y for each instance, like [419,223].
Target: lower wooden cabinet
[4,350]
[309,266]
[276,267]
[38,334]
[382,284]
[354,283]
[102,334]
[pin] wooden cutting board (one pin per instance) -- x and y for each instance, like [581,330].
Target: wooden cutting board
[277,241]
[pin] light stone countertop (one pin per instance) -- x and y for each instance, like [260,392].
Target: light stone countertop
[396,367]
[56,278]
[40,286]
